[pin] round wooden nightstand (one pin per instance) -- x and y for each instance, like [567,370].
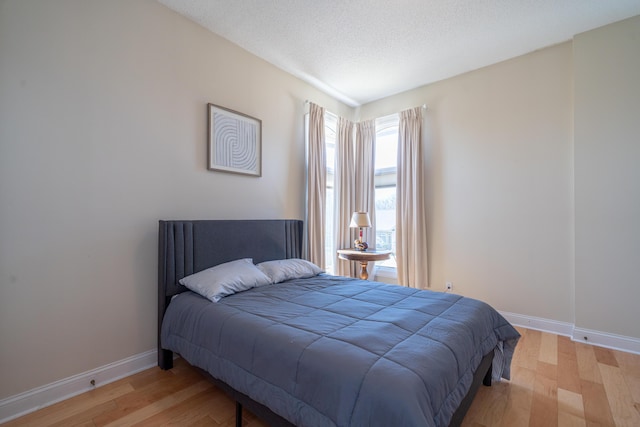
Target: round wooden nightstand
[363,257]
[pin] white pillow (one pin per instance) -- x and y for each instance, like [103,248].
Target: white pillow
[226,279]
[286,269]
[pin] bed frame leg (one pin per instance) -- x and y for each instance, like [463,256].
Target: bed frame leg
[487,377]
[238,414]
[165,359]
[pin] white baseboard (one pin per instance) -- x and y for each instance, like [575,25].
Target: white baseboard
[616,342]
[588,336]
[37,398]
[538,323]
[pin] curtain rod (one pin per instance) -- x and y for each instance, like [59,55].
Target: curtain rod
[306,102]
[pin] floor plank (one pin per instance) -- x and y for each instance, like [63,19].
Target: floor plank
[596,405]
[568,371]
[161,405]
[570,406]
[630,366]
[544,408]
[548,349]
[587,363]
[606,356]
[619,397]
[518,407]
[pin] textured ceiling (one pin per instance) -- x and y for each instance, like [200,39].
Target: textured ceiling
[362,50]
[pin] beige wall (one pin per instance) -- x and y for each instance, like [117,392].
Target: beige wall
[607,164]
[499,182]
[510,220]
[103,133]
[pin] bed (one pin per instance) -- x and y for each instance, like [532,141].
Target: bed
[323,350]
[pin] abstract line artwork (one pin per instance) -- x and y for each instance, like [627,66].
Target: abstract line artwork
[235,141]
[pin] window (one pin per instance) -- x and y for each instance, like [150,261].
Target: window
[330,131]
[385,187]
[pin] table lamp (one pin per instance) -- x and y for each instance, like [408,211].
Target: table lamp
[360,220]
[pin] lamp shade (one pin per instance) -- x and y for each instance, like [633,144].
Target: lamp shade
[360,219]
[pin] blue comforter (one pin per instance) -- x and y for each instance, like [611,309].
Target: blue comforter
[337,351]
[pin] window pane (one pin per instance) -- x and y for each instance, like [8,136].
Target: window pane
[385,183]
[386,148]
[385,218]
[330,157]
[330,130]
[329,251]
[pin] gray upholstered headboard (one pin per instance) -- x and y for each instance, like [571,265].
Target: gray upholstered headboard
[186,247]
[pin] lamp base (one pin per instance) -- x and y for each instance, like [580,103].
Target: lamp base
[360,245]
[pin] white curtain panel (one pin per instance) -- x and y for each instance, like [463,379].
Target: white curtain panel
[365,162]
[411,224]
[316,186]
[344,194]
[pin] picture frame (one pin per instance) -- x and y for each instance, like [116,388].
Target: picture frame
[234,142]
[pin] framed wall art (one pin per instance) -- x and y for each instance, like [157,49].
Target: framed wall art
[235,142]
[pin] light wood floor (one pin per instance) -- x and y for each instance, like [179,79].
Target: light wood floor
[555,382]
